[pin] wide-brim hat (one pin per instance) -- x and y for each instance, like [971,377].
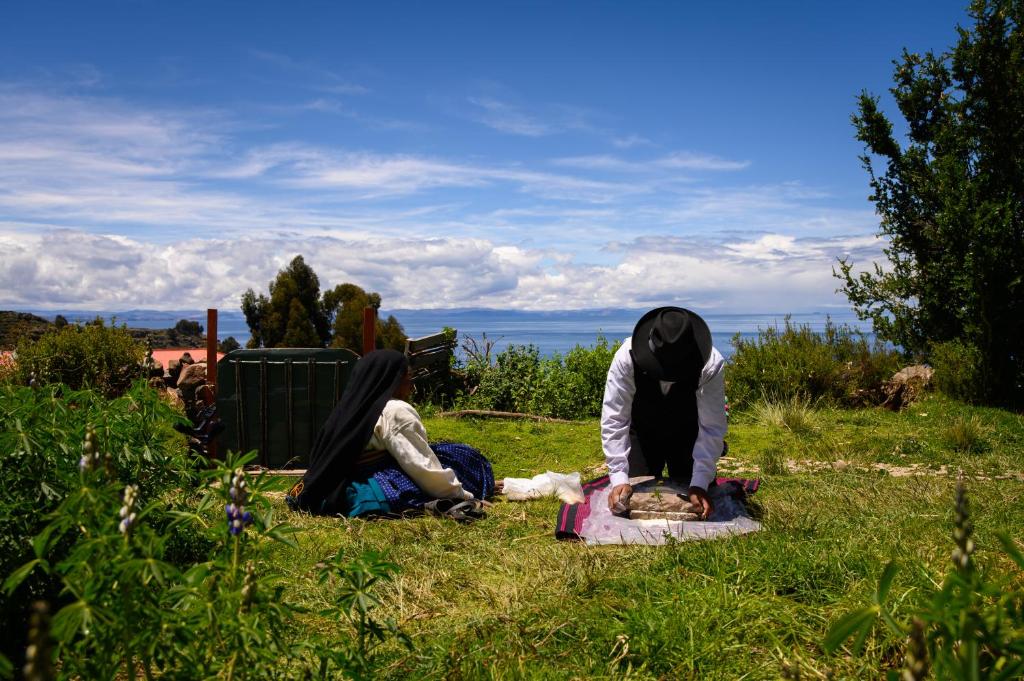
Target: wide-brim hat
[671,343]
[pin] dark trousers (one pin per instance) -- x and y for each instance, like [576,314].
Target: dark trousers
[649,456]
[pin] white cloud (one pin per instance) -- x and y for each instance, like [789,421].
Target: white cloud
[631,141]
[676,161]
[503,117]
[774,272]
[315,77]
[106,205]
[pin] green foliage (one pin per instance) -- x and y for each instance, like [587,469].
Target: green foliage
[187,327]
[958,368]
[794,414]
[106,358]
[520,380]
[227,345]
[967,435]
[297,316]
[300,332]
[837,366]
[125,610]
[345,304]
[951,200]
[772,461]
[269,317]
[41,444]
[973,628]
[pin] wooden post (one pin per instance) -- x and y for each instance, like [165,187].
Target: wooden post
[369,329]
[211,365]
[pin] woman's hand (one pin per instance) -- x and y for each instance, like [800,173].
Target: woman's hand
[618,499]
[700,502]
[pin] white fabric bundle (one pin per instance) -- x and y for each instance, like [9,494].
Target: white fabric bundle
[565,486]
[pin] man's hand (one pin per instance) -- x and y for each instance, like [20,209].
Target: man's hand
[618,499]
[700,502]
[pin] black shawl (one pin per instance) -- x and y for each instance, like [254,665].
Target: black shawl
[349,427]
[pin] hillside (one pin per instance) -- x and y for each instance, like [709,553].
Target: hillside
[17,325]
[14,326]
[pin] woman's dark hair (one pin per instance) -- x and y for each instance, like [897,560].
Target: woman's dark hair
[350,426]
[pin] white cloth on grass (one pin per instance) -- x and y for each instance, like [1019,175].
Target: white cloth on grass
[728,518]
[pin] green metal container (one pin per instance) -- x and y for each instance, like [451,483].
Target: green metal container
[276,400]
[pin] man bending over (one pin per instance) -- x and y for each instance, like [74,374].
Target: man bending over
[664,405]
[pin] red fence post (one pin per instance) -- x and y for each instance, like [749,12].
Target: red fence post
[369,329]
[211,365]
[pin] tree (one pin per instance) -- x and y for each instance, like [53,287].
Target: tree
[345,304]
[268,318]
[188,327]
[229,344]
[951,200]
[296,315]
[300,332]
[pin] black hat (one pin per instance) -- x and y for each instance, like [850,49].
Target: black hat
[670,343]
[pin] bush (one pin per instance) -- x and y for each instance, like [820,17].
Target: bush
[187,327]
[128,612]
[838,366]
[41,443]
[570,387]
[958,370]
[105,358]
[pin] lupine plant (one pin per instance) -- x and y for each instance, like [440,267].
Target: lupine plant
[972,629]
[125,611]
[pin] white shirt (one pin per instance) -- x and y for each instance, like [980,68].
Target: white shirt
[400,431]
[617,412]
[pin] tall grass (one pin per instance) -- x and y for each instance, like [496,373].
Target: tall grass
[967,435]
[794,414]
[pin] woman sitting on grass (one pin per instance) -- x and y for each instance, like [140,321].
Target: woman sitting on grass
[372,455]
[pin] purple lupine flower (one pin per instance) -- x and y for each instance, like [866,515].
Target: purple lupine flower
[238,517]
[127,513]
[90,452]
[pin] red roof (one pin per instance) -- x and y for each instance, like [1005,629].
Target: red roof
[165,355]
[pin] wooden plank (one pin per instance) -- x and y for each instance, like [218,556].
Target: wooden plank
[430,359]
[416,345]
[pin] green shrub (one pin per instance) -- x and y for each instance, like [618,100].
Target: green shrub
[519,380]
[41,436]
[105,358]
[958,370]
[509,384]
[127,612]
[837,365]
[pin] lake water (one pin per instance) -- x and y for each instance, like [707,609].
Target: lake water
[551,332]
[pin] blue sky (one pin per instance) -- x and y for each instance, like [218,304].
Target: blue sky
[509,155]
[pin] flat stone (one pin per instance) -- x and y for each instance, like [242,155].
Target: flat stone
[661,500]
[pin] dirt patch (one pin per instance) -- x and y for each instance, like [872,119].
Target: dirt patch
[895,470]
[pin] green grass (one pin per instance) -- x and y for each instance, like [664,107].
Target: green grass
[502,599]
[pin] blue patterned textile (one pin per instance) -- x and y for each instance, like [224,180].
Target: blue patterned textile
[402,494]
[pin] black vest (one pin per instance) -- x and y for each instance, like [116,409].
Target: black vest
[664,427]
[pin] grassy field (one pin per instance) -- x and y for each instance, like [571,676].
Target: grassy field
[502,599]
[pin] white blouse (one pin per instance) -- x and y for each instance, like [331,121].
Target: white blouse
[617,413]
[400,431]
